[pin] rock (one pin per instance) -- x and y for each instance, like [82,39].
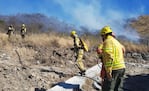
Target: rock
[128,55]
[37,62]
[30,76]
[40,89]
[137,55]
[145,56]
[97,86]
[5,68]
[5,76]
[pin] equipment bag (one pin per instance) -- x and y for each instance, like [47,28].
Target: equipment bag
[84,45]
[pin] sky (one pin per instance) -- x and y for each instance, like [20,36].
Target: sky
[93,14]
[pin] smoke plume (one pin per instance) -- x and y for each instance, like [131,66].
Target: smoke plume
[94,15]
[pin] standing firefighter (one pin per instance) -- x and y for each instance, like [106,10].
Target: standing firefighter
[99,52]
[113,60]
[23,31]
[10,31]
[79,48]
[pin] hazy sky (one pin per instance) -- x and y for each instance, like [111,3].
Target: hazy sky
[93,14]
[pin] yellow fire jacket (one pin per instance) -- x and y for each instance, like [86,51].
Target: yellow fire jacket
[113,58]
[77,43]
[23,29]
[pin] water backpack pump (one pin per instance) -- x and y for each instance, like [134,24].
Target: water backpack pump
[84,45]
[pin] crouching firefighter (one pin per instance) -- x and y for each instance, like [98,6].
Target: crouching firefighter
[79,48]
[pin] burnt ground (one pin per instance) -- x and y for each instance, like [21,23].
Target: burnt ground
[137,76]
[137,83]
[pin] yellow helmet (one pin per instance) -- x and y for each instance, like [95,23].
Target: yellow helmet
[23,25]
[73,32]
[105,30]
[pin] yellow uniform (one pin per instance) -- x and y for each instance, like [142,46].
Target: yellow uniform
[79,51]
[113,54]
[10,30]
[113,60]
[23,31]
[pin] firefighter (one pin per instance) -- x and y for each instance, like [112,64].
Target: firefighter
[78,49]
[99,52]
[23,31]
[113,60]
[10,31]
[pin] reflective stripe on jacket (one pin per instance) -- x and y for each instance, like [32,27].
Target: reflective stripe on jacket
[113,54]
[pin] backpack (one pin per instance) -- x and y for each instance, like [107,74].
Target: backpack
[84,45]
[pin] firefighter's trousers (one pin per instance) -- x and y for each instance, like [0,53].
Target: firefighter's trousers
[79,59]
[116,83]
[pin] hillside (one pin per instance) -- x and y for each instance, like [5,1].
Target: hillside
[45,58]
[35,23]
[42,60]
[142,26]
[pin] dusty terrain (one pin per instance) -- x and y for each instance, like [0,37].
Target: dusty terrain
[25,66]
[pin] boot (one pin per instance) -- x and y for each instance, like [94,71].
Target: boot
[82,72]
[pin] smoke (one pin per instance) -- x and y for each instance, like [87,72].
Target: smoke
[94,15]
[82,13]
[91,14]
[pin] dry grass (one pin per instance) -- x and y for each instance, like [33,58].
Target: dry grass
[48,40]
[91,41]
[56,40]
[35,40]
[4,42]
[131,47]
